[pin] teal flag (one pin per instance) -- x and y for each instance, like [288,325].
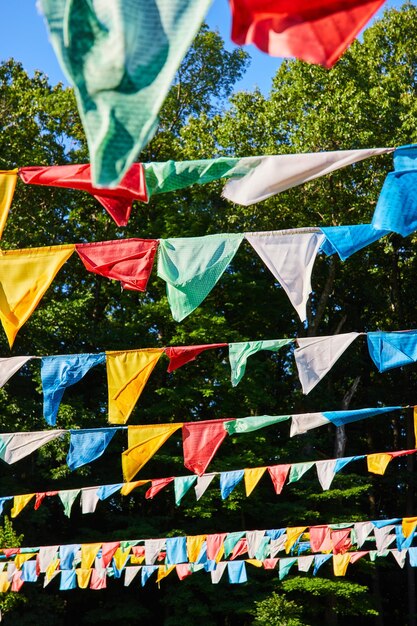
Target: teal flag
[172,175]
[192,266]
[253,422]
[239,353]
[67,498]
[181,485]
[299,469]
[285,565]
[121,56]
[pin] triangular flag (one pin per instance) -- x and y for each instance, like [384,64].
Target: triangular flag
[87,445]
[326,472]
[298,470]
[180,355]
[278,474]
[88,554]
[60,372]
[346,240]
[19,503]
[201,440]
[284,566]
[89,499]
[8,180]
[292,535]
[83,577]
[217,573]
[128,260]
[157,486]
[254,539]
[253,422]
[399,556]
[128,487]
[152,549]
[304,562]
[394,349]
[25,275]
[67,498]
[214,545]
[228,481]
[239,353]
[409,525]
[130,573]
[340,564]
[117,201]
[98,579]
[144,442]
[10,366]
[316,32]
[127,375]
[16,446]
[252,477]
[362,532]
[315,356]
[107,552]
[181,485]
[194,545]
[290,257]
[320,539]
[121,59]
[378,463]
[202,483]
[192,266]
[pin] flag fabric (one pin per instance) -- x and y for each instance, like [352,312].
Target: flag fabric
[393,349]
[316,33]
[121,57]
[241,351]
[8,180]
[129,261]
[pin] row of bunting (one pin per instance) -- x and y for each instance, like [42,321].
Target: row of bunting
[208,551]
[120,88]
[200,440]
[252,179]
[12,579]
[91,496]
[128,371]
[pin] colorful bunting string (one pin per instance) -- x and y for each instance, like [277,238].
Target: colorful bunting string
[326,471]
[201,440]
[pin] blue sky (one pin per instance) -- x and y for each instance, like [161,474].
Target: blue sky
[23,36]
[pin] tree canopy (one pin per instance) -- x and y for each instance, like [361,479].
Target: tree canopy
[368,99]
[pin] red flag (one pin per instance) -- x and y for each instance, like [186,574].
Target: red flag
[341,540]
[214,543]
[200,441]
[320,539]
[240,548]
[316,32]
[40,497]
[278,474]
[117,201]
[127,260]
[157,485]
[394,455]
[181,355]
[183,570]
[270,563]
[107,552]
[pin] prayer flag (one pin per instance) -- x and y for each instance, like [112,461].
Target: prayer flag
[180,355]
[127,375]
[143,443]
[87,445]
[239,353]
[201,440]
[192,266]
[128,260]
[25,275]
[8,180]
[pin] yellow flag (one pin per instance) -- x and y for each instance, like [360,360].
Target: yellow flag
[143,442]
[4,582]
[292,536]
[255,562]
[83,577]
[378,463]
[19,503]
[8,180]
[88,554]
[19,559]
[340,563]
[408,525]
[252,478]
[128,487]
[120,557]
[127,375]
[136,560]
[50,571]
[25,275]
[194,544]
[163,571]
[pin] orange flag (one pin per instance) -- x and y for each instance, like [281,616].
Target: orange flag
[25,275]
[127,375]
[143,442]
[8,180]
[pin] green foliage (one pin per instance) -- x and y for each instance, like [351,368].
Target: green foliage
[277,611]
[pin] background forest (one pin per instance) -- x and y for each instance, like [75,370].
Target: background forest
[368,99]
